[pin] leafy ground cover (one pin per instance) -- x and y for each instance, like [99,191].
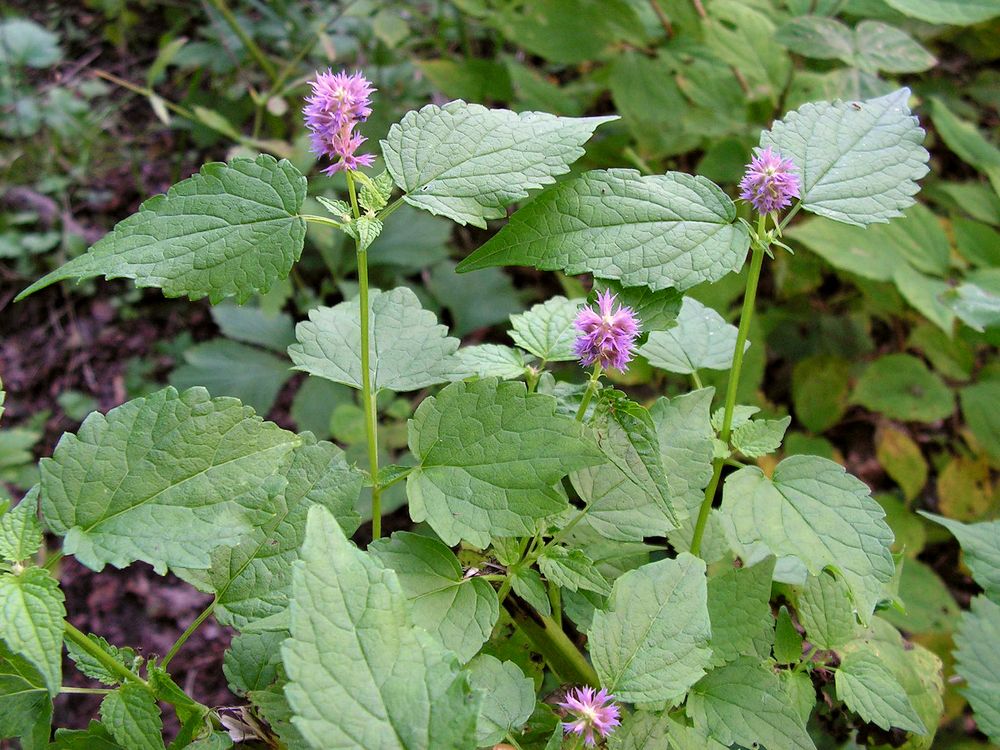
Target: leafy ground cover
[879,343]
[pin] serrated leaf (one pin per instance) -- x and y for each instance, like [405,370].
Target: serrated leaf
[869,689]
[831,145]
[132,717]
[745,703]
[459,611]
[651,644]
[409,349]
[880,46]
[31,605]
[741,416]
[365,230]
[818,37]
[528,584]
[155,479]
[572,569]
[672,230]
[546,330]
[758,437]
[489,361]
[902,387]
[702,339]
[489,456]
[978,308]
[25,703]
[252,580]
[955,12]
[981,547]
[25,43]
[374,195]
[353,645]
[231,230]
[94,737]
[252,660]
[20,531]
[508,697]
[977,659]
[467,162]
[812,509]
[824,609]
[740,612]
[94,669]
[967,142]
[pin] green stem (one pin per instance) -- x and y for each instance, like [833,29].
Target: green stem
[367,397]
[84,691]
[321,220]
[696,379]
[391,208]
[512,742]
[187,633]
[789,215]
[255,52]
[589,393]
[562,655]
[105,659]
[746,315]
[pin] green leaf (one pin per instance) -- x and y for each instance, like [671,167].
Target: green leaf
[817,37]
[489,456]
[156,479]
[25,703]
[31,605]
[572,569]
[468,163]
[25,43]
[702,339]
[656,311]
[227,368]
[869,689]
[131,715]
[464,299]
[20,531]
[253,325]
[787,640]
[954,12]
[94,737]
[231,230]
[812,509]
[546,330]
[528,585]
[978,308]
[672,230]
[642,729]
[460,612]
[831,144]
[353,646]
[741,36]
[981,547]
[820,390]
[508,697]
[926,295]
[252,661]
[901,387]
[930,606]
[902,460]
[410,350]
[977,659]
[880,46]
[824,609]
[745,703]
[980,417]
[374,195]
[651,644]
[490,361]
[740,612]
[94,669]
[977,242]
[758,437]
[252,580]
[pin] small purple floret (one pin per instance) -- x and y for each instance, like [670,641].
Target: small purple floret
[592,711]
[606,337]
[769,183]
[339,102]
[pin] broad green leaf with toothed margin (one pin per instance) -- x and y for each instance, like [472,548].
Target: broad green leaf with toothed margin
[824,609]
[740,612]
[671,230]
[132,717]
[546,330]
[812,509]
[702,339]
[252,580]
[409,349]
[858,162]
[231,230]
[981,549]
[745,703]
[489,361]
[459,611]
[651,644]
[468,163]
[508,697]
[32,612]
[25,703]
[977,659]
[157,477]
[868,687]
[20,531]
[353,648]
[490,454]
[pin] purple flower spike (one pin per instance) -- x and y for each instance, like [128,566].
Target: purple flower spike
[338,103]
[606,337]
[769,183]
[592,711]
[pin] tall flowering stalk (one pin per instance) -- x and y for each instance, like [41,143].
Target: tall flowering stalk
[769,183]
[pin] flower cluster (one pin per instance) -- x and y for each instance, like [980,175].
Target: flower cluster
[606,337]
[338,103]
[769,183]
[592,711]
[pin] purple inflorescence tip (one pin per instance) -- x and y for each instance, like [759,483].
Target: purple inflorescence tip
[770,182]
[606,335]
[592,711]
[339,102]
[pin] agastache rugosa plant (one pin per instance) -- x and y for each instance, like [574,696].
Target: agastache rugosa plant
[546,501]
